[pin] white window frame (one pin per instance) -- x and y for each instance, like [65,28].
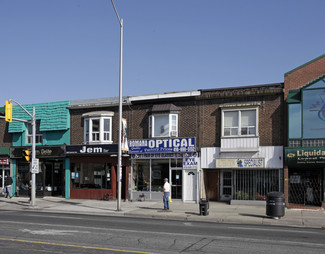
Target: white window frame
[38,136]
[172,125]
[239,134]
[102,137]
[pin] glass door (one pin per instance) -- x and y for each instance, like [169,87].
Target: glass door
[177,183]
[226,185]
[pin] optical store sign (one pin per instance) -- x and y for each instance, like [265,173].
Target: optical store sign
[305,156]
[167,145]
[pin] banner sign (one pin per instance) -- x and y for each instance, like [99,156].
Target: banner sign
[167,145]
[240,163]
[305,156]
[91,149]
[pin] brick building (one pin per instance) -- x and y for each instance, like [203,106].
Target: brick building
[93,149]
[304,170]
[241,142]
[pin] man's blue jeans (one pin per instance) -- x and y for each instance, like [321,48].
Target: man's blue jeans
[166,200]
[8,191]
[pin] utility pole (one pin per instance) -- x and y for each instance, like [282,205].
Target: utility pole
[119,166]
[34,167]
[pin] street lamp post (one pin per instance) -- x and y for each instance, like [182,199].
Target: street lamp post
[119,169]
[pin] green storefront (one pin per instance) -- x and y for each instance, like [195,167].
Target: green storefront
[52,136]
[305,153]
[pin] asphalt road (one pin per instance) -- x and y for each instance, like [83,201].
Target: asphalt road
[32,232]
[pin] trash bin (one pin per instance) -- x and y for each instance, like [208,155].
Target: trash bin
[204,207]
[275,204]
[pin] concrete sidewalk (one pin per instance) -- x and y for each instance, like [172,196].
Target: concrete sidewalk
[218,212]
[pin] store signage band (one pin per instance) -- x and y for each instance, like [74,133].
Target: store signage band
[41,151]
[305,156]
[167,145]
[240,163]
[91,149]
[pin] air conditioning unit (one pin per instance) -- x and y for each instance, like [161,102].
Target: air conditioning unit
[173,133]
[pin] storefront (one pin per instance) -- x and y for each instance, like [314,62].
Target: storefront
[306,167]
[238,178]
[50,181]
[93,172]
[153,160]
[4,170]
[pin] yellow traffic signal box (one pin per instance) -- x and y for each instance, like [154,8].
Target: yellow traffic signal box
[8,114]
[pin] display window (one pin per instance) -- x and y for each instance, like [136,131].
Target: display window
[91,176]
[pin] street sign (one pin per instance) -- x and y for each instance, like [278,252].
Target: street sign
[35,166]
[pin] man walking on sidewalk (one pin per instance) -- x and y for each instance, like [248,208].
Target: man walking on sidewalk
[8,183]
[166,194]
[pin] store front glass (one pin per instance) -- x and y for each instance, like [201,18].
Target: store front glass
[148,177]
[91,176]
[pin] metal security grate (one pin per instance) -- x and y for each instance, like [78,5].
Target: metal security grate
[255,184]
[305,189]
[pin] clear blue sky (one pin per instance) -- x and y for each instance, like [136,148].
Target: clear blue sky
[54,50]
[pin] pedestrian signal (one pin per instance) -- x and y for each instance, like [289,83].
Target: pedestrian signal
[8,113]
[26,154]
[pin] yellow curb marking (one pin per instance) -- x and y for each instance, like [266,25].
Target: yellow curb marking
[75,246]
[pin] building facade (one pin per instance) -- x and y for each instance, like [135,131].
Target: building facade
[52,135]
[94,149]
[241,140]
[162,144]
[304,169]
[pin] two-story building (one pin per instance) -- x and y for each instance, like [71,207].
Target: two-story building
[52,134]
[163,129]
[93,152]
[304,170]
[241,140]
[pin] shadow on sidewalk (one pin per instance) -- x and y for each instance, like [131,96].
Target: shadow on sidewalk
[13,202]
[253,215]
[151,208]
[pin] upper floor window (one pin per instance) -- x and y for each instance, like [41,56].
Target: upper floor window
[163,125]
[38,136]
[239,122]
[98,127]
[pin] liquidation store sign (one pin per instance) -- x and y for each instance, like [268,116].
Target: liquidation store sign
[305,156]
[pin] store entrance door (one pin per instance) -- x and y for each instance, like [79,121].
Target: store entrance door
[177,183]
[54,179]
[3,173]
[225,185]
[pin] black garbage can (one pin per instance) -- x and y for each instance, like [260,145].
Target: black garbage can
[204,207]
[275,204]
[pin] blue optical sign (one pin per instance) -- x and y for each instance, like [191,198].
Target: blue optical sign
[167,145]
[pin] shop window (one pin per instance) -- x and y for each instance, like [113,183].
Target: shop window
[141,175]
[241,122]
[91,176]
[163,125]
[98,127]
[159,171]
[38,136]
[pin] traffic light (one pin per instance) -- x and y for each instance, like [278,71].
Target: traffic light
[8,114]
[27,154]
